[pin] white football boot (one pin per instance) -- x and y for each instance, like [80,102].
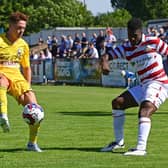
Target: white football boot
[33,147]
[135,152]
[4,123]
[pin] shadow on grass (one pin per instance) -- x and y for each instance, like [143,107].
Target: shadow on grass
[100,113]
[92,113]
[83,149]
[55,148]
[13,150]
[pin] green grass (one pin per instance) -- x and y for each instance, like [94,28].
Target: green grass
[77,124]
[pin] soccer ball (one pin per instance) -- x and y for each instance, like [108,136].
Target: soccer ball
[123,73]
[33,114]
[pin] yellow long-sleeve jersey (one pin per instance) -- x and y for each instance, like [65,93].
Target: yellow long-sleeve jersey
[13,54]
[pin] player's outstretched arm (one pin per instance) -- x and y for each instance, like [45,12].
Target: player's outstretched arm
[105,64]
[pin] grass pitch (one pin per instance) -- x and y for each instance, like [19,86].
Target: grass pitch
[77,124]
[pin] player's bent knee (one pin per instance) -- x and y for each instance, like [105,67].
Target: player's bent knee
[147,109]
[29,94]
[117,103]
[145,113]
[27,98]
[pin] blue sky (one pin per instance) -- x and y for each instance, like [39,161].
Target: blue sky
[98,6]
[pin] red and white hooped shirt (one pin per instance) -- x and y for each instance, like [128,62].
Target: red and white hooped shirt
[146,57]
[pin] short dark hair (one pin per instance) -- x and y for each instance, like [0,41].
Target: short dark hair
[17,16]
[134,24]
[90,43]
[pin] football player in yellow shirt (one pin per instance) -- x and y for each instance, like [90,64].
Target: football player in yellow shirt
[14,55]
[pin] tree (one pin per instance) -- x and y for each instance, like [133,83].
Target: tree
[144,9]
[119,18]
[45,14]
[5,10]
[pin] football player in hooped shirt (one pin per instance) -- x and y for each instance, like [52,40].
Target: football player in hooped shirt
[146,54]
[14,54]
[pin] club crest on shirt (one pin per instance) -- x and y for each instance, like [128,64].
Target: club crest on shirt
[19,52]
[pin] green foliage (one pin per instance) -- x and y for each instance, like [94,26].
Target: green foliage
[119,18]
[144,9]
[5,10]
[45,14]
[72,13]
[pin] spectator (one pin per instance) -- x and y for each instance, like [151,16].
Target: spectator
[78,51]
[69,45]
[110,39]
[40,41]
[154,32]
[92,51]
[76,48]
[63,47]
[100,42]
[54,49]
[149,31]
[84,42]
[49,42]
[48,54]
[33,55]
[161,34]
[93,39]
[76,41]
[42,55]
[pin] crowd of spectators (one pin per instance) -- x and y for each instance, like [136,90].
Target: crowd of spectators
[79,46]
[160,32]
[83,46]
